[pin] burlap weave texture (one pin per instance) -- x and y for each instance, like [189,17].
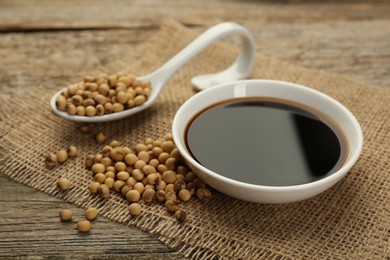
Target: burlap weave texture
[351,220]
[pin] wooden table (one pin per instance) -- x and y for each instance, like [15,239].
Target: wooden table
[42,42]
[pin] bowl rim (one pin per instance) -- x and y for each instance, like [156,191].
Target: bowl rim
[354,155]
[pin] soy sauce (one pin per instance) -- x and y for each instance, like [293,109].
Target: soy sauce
[266,141]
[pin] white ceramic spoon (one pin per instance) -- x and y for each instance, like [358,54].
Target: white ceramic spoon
[238,70]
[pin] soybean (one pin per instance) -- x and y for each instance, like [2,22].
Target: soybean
[93,188]
[66,214]
[62,156]
[184,195]
[109,182]
[133,196]
[160,195]
[171,206]
[117,155]
[203,194]
[135,209]
[84,226]
[91,213]
[148,195]
[118,184]
[104,191]
[169,176]
[63,183]
[101,137]
[89,161]
[98,168]
[181,215]
[122,175]
[51,160]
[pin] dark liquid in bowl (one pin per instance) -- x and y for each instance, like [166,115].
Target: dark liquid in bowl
[266,141]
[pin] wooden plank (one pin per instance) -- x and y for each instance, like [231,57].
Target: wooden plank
[51,58]
[29,225]
[358,49]
[42,15]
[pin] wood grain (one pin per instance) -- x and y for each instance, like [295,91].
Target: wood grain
[47,43]
[36,15]
[29,225]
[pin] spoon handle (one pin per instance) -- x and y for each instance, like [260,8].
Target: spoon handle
[238,70]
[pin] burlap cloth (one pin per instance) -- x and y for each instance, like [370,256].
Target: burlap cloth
[351,220]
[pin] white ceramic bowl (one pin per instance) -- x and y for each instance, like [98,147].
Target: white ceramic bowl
[277,89]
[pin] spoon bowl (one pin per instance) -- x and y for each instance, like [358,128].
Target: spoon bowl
[238,70]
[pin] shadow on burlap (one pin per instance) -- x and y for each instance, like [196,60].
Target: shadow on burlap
[351,220]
